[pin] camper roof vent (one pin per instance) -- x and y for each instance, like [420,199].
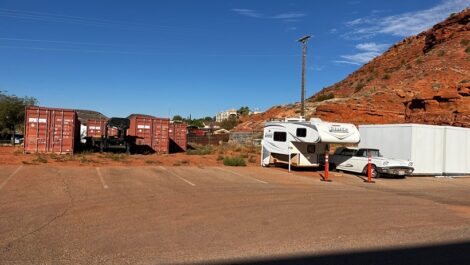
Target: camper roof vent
[300,118]
[315,120]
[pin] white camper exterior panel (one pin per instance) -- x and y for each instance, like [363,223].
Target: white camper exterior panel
[302,143]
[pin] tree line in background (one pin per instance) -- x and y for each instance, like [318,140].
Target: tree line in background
[227,124]
[12,114]
[194,122]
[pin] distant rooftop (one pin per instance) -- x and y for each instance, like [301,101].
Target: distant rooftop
[84,115]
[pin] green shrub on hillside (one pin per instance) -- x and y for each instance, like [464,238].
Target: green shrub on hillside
[323,97]
[359,87]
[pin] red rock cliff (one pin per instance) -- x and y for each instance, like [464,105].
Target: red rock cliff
[422,79]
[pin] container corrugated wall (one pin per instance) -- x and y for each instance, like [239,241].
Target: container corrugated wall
[95,128]
[178,137]
[151,132]
[51,130]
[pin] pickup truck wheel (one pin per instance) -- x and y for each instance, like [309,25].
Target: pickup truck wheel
[375,173]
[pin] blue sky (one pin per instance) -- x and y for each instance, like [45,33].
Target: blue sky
[194,57]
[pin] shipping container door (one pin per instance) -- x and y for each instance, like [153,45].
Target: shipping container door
[182,135]
[95,128]
[143,131]
[157,135]
[161,135]
[36,130]
[179,136]
[62,128]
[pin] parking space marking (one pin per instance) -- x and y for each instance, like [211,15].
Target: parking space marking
[10,177]
[238,174]
[101,178]
[176,175]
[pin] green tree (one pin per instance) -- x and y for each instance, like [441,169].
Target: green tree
[229,123]
[196,122]
[208,118]
[177,118]
[243,111]
[12,112]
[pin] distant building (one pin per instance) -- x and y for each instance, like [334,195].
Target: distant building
[225,115]
[256,111]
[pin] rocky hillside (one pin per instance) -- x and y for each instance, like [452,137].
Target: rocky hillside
[422,79]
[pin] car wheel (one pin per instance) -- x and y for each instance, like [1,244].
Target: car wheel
[375,173]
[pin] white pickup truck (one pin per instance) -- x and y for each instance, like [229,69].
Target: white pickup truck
[356,160]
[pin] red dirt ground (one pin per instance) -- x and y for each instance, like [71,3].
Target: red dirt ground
[14,156]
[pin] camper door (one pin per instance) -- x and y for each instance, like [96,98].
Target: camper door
[307,154]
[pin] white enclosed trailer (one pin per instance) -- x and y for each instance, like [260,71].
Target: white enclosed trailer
[434,150]
[302,143]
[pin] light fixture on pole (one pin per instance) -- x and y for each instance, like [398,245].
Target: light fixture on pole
[304,41]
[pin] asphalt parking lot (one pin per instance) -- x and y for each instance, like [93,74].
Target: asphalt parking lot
[155,215]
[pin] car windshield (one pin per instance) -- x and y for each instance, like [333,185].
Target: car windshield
[364,153]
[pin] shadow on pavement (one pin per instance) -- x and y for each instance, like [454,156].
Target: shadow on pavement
[455,254]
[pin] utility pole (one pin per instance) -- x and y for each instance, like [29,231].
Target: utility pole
[304,41]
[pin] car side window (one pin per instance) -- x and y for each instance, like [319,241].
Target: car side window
[362,153]
[348,152]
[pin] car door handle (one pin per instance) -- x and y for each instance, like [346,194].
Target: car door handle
[348,165]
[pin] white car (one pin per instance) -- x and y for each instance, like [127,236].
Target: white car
[356,160]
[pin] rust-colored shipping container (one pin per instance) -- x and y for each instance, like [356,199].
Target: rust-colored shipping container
[151,133]
[178,137]
[51,130]
[95,128]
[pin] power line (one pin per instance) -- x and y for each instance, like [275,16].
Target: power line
[87,21]
[146,53]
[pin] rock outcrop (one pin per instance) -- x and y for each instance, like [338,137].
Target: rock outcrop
[422,79]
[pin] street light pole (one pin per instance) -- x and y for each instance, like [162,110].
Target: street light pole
[304,41]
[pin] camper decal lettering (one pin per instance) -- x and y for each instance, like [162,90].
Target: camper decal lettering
[337,129]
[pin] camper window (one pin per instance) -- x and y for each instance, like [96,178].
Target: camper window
[280,136]
[301,132]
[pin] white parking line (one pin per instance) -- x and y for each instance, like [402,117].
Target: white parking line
[241,175]
[101,178]
[175,175]
[11,176]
